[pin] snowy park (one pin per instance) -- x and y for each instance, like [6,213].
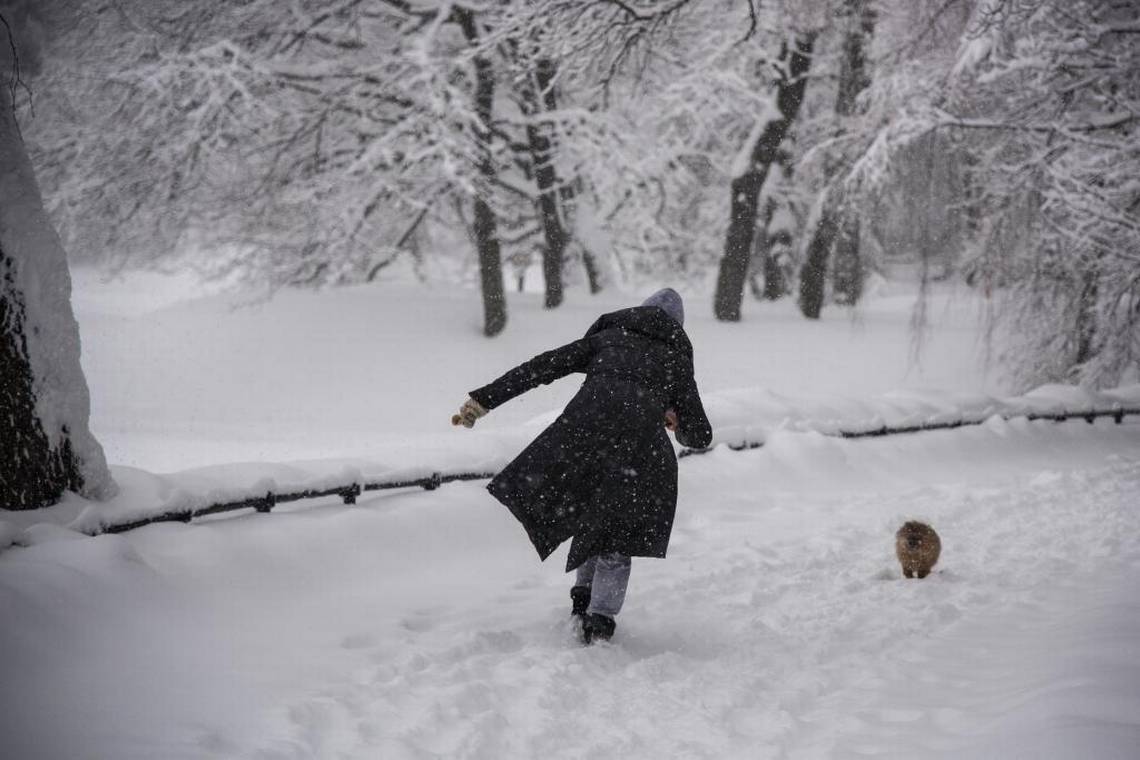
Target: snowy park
[411,379]
[421,624]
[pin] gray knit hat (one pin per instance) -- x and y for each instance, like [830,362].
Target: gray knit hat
[669,301]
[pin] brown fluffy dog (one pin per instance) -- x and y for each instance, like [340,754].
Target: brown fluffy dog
[917,547]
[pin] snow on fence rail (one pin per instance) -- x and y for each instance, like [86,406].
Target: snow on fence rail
[182,497]
[1117,414]
[434,480]
[267,502]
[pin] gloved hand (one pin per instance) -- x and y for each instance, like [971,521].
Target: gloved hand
[468,413]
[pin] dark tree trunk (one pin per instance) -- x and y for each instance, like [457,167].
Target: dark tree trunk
[835,219]
[32,473]
[775,286]
[490,269]
[813,276]
[593,275]
[745,189]
[566,191]
[853,76]
[1086,316]
[46,447]
[486,228]
[546,178]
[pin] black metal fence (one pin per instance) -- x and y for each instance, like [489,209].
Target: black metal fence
[350,491]
[266,503]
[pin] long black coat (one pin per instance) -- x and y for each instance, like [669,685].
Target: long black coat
[604,472]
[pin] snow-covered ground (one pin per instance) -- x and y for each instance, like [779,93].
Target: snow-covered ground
[181,379]
[420,625]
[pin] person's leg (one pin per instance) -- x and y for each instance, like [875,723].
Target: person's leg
[580,593]
[611,577]
[585,573]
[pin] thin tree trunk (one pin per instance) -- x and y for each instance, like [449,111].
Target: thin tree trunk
[813,276]
[848,278]
[745,189]
[486,228]
[775,286]
[566,198]
[593,275]
[1086,316]
[835,220]
[546,178]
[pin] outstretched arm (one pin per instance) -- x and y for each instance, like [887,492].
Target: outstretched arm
[541,370]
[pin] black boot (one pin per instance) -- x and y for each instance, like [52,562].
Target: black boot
[579,600]
[597,628]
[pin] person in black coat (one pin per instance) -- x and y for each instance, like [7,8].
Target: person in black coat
[604,472]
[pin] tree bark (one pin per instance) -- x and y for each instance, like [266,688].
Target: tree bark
[32,473]
[1086,315]
[542,158]
[46,447]
[745,189]
[593,274]
[485,225]
[813,276]
[834,220]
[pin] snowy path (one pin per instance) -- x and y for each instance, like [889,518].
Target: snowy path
[419,625]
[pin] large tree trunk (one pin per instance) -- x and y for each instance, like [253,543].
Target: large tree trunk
[836,221]
[486,228]
[46,447]
[546,178]
[745,189]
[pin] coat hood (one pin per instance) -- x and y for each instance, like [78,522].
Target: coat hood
[650,321]
[669,301]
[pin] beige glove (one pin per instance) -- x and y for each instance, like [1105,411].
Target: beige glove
[468,413]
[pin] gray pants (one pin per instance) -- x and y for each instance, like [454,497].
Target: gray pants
[607,576]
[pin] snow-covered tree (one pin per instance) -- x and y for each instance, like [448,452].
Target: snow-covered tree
[313,144]
[46,446]
[310,147]
[1050,94]
[837,226]
[1037,105]
[758,157]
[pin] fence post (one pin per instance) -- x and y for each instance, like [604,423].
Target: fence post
[266,504]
